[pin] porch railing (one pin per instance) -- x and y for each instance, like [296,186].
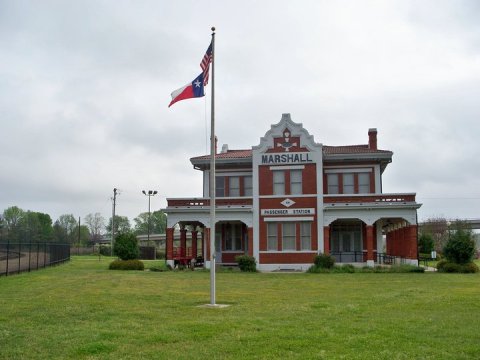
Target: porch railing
[373,198]
[202,202]
[361,256]
[182,252]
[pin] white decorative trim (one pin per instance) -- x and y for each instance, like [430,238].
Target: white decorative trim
[288,252]
[378,179]
[236,173]
[290,196]
[283,267]
[343,166]
[287,167]
[295,211]
[285,219]
[352,170]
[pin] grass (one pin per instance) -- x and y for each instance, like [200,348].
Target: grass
[81,310]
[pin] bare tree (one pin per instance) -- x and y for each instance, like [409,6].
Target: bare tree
[96,224]
[438,229]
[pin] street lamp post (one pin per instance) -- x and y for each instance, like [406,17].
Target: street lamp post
[150,193]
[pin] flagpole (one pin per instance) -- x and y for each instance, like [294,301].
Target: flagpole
[212,179]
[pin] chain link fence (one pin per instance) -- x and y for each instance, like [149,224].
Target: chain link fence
[19,257]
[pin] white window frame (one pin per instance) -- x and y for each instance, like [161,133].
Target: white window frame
[248,190]
[234,191]
[287,239]
[219,180]
[348,188]
[279,182]
[332,188]
[272,236]
[296,182]
[364,188]
[305,235]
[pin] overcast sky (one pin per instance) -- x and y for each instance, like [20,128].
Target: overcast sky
[85,85]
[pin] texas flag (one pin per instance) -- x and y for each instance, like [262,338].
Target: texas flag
[192,90]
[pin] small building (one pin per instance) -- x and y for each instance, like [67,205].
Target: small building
[289,198]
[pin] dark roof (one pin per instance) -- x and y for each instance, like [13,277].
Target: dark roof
[327,150]
[350,149]
[230,154]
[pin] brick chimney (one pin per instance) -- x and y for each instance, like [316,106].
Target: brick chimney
[372,139]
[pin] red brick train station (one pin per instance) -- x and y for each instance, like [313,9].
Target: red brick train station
[289,198]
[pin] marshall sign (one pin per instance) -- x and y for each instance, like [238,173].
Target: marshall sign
[291,158]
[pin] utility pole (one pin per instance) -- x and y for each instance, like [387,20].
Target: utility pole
[113,220]
[78,242]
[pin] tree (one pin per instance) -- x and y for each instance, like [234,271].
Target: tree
[437,228]
[30,227]
[95,223]
[158,223]
[12,218]
[64,229]
[82,238]
[46,228]
[460,248]
[122,225]
[126,246]
[426,243]
[36,227]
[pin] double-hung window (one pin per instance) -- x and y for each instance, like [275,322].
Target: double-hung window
[220,186]
[234,186]
[247,186]
[306,235]
[348,183]
[278,182]
[288,236]
[272,236]
[295,182]
[364,183]
[332,183]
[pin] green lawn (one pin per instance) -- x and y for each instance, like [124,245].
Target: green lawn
[81,310]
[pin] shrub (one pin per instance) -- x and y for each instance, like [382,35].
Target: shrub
[314,269]
[246,263]
[460,248]
[343,269]
[469,268]
[126,246]
[448,267]
[126,265]
[324,261]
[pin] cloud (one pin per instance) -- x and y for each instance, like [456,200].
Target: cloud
[84,89]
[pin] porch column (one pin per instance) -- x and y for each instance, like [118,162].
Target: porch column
[326,239]
[169,240]
[183,241]
[206,242]
[412,241]
[250,241]
[194,243]
[370,256]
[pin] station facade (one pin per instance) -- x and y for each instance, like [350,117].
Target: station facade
[290,198]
